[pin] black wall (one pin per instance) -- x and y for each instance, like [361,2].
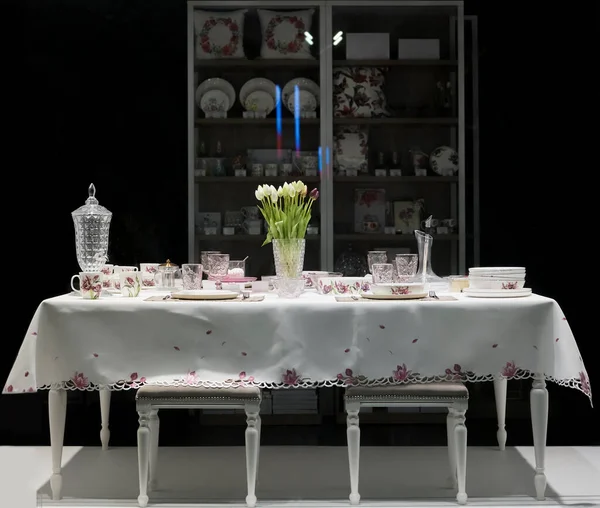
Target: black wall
[95,91]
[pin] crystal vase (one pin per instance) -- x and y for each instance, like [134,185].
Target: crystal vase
[289,257]
[426,273]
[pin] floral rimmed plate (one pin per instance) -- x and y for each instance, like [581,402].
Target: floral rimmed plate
[308,101]
[204,294]
[219,84]
[412,296]
[444,161]
[250,97]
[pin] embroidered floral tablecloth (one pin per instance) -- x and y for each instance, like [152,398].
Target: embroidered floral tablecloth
[121,343]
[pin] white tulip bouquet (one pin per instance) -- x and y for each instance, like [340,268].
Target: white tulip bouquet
[287,209]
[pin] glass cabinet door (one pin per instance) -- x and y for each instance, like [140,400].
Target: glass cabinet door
[397,131]
[255,104]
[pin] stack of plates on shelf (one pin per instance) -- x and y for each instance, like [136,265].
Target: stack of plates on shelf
[215,96]
[258,95]
[308,96]
[497,282]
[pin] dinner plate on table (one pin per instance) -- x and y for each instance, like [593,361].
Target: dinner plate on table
[413,296]
[497,293]
[204,294]
[238,280]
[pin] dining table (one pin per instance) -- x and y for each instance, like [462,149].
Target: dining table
[119,343]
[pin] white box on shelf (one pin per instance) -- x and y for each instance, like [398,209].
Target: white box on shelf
[199,172]
[395,172]
[240,172]
[420,172]
[351,172]
[310,172]
[425,49]
[368,46]
[381,172]
[270,172]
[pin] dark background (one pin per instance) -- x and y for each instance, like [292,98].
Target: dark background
[95,90]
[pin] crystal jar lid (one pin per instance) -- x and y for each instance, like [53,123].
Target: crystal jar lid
[168,264]
[92,207]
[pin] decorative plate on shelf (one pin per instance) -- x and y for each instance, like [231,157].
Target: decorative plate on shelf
[259,93]
[307,99]
[214,101]
[215,84]
[444,161]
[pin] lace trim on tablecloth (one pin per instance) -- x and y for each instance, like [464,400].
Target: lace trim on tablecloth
[575,383]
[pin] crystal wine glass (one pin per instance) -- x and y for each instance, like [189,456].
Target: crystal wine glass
[218,265]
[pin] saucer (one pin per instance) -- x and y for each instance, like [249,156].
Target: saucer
[204,294]
[497,293]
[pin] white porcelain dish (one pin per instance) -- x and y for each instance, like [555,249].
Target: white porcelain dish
[342,285]
[444,161]
[306,101]
[496,269]
[410,296]
[215,84]
[204,294]
[398,288]
[250,87]
[492,283]
[497,293]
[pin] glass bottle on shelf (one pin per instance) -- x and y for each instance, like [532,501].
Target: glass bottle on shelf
[395,169]
[201,150]
[380,169]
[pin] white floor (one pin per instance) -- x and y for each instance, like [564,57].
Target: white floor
[293,477]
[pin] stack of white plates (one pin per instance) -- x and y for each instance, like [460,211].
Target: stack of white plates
[497,282]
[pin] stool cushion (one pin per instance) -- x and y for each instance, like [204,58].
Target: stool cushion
[199,393]
[412,391]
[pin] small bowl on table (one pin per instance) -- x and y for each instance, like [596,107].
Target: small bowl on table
[496,283]
[342,285]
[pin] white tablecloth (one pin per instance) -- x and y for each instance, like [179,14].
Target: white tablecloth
[120,342]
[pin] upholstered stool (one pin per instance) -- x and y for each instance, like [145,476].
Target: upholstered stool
[150,399]
[454,396]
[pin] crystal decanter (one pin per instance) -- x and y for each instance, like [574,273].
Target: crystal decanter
[426,273]
[92,225]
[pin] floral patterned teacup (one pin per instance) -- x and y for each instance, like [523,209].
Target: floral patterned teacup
[90,284]
[130,283]
[148,270]
[107,270]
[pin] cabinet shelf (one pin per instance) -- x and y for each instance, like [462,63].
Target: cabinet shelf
[380,237]
[254,122]
[396,121]
[395,63]
[255,180]
[395,179]
[243,238]
[244,63]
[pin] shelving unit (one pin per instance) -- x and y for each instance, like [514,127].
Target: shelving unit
[414,121]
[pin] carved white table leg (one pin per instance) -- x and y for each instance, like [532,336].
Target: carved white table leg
[500,384]
[143,437]
[353,437]
[460,443]
[538,398]
[252,444]
[450,424]
[259,428]
[154,425]
[104,416]
[57,412]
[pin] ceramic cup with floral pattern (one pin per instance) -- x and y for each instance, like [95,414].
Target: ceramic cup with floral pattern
[148,270]
[90,284]
[107,272]
[130,283]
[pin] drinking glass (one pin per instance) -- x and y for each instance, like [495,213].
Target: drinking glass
[406,266]
[204,258]
[289,287]
[383,273]
[191,274]
[376,256]
[237,268]
[218,265]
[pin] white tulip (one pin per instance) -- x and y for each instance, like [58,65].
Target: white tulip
[292,191]
[259,193]
[280,191]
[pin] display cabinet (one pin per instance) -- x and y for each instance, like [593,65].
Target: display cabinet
[369,101]
[364,100]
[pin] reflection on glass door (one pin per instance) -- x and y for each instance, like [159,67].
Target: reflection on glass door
[254,101]
[396,121]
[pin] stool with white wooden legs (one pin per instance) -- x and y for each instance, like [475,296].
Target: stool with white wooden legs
[451,395]
[149,399]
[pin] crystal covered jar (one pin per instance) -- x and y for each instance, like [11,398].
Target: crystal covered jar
[92,225]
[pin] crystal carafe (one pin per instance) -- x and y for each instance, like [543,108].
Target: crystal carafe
[426,273]
[92,226]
